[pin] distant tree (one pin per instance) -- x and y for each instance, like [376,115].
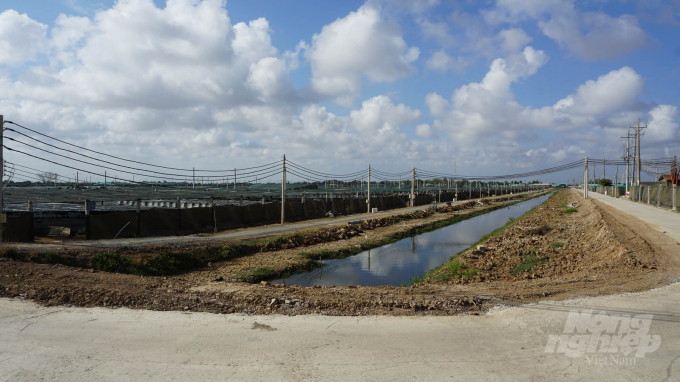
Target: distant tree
[48,177]
[604,182]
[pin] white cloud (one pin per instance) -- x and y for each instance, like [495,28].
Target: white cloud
[663,126]
[379,114]
[513,39]
[21,38]
[591,35]
[437,104]
[595,35]
[425,131]
[442,62]
[269,76]
[614,91]
[360,44]
[487,111]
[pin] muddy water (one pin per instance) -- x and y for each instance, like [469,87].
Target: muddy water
[395,263]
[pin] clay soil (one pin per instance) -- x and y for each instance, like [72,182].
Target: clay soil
[601,254]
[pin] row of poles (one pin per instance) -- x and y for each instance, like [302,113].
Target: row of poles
[368,189]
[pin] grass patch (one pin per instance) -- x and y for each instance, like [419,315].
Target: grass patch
[111,262]
[527,264]
[569,211]
[557,244]
[453,270]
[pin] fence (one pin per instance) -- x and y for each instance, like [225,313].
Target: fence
[655,194]
[660,195]
[168,218]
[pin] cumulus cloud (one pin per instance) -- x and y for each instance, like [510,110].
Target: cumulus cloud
[359,44]
[21,38]
[425,131]
[484,111]
[437,104]
[663,125]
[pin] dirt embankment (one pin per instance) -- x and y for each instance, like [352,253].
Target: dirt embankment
[561,251]
[598,255]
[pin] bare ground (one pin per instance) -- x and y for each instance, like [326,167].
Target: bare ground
[604,252]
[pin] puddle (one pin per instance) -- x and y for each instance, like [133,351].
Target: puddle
[395,263]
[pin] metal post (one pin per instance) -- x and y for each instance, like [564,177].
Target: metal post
[283,191]
[658,197]
[674,198]
[413,180]
[368,200]
[193,177]
[104,178]
[234,179]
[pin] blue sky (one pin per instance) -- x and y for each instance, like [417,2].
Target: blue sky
[492,85]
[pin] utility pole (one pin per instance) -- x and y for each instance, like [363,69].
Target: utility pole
[104,178]
[413,182]
[616,184]
[284,166]
[639,160]
[585,189]
[368,200]
[627,159]
[604,168]
[283,191]
[193,177]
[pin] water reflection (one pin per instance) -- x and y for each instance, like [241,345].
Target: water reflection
[395,263]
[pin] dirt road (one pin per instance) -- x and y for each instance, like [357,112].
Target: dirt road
[508,344]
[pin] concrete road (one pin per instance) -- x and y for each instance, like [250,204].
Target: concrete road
[508,344]
[664,220]
[254,232]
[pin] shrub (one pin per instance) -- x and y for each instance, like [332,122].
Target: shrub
[111,262]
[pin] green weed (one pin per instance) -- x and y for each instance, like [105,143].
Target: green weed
[527,264]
